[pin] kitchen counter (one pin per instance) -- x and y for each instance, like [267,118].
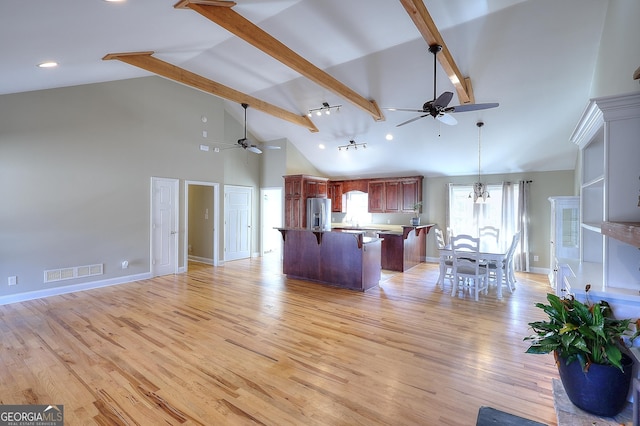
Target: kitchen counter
[402,250]
[341,258]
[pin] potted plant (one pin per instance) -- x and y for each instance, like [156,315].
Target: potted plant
[415,221]
[586,341]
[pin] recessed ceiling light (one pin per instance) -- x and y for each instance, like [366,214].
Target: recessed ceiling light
[114,1]
[389,137]
[321,146]
[48,64]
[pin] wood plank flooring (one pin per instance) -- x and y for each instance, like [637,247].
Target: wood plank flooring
[241,344]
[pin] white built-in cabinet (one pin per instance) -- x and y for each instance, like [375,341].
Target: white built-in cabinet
[608,136]
[564,240]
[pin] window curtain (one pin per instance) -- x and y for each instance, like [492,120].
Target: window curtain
[508,225]
[447,213]
[521,257]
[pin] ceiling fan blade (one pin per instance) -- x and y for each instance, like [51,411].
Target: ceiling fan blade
[404,109]
[412,120]
[443,100]
[447,119]
[254,148]
[471,107]
[270,147]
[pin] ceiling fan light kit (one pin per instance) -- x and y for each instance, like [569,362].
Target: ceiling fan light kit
[438,107]
[243,142]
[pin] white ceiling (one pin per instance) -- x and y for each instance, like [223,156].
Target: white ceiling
[535,57]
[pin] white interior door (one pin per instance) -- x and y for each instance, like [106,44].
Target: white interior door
[164,226]
[237,222]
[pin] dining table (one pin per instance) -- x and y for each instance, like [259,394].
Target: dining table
[490,251]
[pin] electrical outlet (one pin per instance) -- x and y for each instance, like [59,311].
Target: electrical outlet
[13,280]
[536,258]
[125,264]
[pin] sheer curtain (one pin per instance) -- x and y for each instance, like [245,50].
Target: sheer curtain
[508,225]
[521,257]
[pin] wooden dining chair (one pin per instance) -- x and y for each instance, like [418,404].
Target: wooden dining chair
[508,275]
[468,270]
[448,261]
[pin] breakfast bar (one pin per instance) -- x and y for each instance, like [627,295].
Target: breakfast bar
[340,258]
[402,250]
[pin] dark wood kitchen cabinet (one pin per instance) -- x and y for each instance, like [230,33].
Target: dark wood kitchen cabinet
[411,193]
[376,196]
[394,195]
[297,188]
[334,192]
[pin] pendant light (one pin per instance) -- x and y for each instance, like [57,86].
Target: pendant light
[480,193]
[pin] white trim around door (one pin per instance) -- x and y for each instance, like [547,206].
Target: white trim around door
[215,208]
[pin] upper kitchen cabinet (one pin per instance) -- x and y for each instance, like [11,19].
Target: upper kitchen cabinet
[394,195]
[376,196]
[315,188]
[335,192]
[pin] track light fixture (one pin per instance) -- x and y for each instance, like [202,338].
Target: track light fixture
[325,108]
[352,144]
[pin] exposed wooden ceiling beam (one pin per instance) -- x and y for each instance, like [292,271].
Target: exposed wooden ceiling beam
[221,13]
[147,62]
[422,19]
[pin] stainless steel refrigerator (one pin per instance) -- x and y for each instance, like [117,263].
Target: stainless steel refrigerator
[319,214]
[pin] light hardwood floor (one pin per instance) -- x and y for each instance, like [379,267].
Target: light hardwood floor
[242,344]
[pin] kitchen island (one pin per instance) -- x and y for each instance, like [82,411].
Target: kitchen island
[341,258]
[402,250]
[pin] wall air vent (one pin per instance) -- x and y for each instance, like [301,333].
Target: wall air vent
[73,272]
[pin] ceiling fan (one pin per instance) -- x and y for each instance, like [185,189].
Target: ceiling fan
[244,142]
[437,108]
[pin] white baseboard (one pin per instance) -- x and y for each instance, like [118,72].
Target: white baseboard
[56,291]
[199,259]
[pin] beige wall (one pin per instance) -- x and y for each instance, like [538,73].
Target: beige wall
[619,52]
[76,166]
[544,185]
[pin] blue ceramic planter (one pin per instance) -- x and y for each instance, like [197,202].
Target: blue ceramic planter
[602,390]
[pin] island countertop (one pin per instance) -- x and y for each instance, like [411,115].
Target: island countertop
[402,250]
[359,233]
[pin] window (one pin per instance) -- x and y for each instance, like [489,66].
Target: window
[357,208]
[467,217]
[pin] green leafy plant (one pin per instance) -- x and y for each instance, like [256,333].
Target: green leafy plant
[416,208]
[587,332]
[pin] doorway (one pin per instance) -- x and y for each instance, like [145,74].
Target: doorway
[202,220]
[271,217]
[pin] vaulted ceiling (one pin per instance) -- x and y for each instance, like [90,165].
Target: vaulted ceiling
[536,58]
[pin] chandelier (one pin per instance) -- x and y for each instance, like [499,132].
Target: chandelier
[352,144]
[325,108]
[480,193]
